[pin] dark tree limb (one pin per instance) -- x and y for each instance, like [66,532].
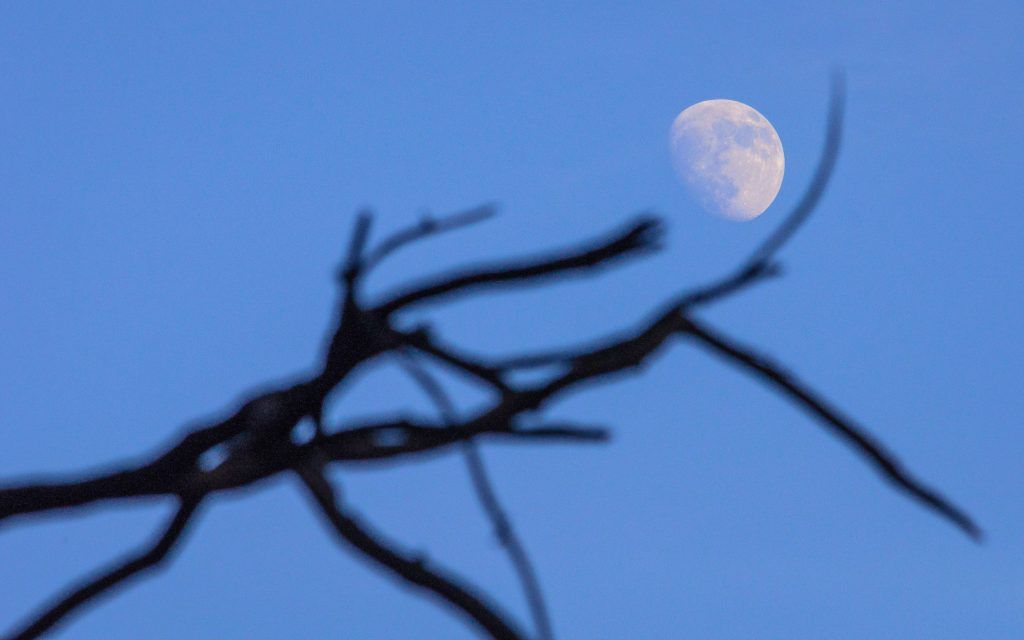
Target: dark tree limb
[642,236]
[509,539]
[830,153]
[33,498]
[411,570]
[504,531]
[422,341]
[255,441]
[843,426]
[357,246]
[117,575]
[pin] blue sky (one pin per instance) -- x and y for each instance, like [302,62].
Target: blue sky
[178,182]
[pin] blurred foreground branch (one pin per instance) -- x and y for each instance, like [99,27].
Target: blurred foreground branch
[256,440]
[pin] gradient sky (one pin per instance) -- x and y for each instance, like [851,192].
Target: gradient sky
[178,183]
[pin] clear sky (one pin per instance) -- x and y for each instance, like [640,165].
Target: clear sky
[178,181]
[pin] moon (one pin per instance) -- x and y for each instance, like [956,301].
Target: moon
[728,156]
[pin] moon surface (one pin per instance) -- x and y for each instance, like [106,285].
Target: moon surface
[729,156]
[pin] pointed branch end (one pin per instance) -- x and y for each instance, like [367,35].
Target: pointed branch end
[647,233]
[357,246]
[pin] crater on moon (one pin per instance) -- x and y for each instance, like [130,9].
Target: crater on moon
[729,156]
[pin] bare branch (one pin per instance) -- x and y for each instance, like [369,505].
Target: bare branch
[841,425]
[489,370]
[812,196]
[616,356]
[411,570]
[562,432]
[380,441]
[115,576]
[641,237]
[536,360]
[45,496]
[488,498]
[402,438]
[257,437]
[422,341]
[428,226]
[360,236]
[506,534]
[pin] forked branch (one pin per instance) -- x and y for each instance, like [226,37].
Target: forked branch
[254,441]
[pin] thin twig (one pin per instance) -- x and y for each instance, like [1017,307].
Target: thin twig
[360,236]
[507,536]
[759,265]
[484,487]
[830,153]
[488,370]
[428,226]
[422,341]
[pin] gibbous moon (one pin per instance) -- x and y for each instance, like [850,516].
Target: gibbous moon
[729,156]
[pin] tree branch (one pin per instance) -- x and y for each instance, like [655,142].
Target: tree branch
[830,153]
[118,574]
[641,237]
[841,425]
[256,438]
[427,227]
[357,245]
[45,496]
[413,571]
[422,341]
[488,498]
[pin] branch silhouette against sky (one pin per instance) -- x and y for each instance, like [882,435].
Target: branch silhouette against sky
[259,439]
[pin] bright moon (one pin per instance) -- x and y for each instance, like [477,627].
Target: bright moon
[729,156]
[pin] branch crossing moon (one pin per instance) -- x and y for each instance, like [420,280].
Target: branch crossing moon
[728,156]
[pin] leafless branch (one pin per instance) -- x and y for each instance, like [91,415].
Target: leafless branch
[767,250]
[428,226]
[503,528]
[642,236]
[117,575]
[254,441]
[843,426]
[411,570]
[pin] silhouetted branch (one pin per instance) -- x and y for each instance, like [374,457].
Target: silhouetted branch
[506,534]
[412,570]
[488,498]
[357,246]
[841,425]
[380,441]
[255,441]
[121,572]
[422,341]
[811,197]
[641,237]
[48,495]
[428,226]
[759,265]
[554,432]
